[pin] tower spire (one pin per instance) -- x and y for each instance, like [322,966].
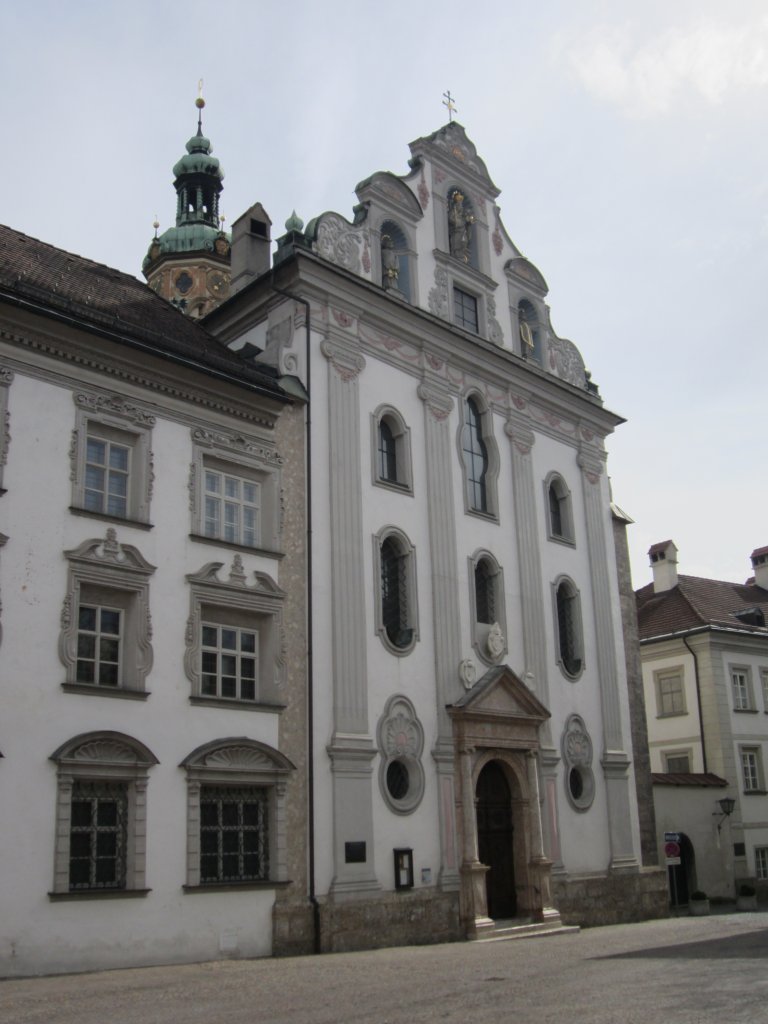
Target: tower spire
[189,263]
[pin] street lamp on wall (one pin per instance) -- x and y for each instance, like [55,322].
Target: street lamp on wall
[726,806]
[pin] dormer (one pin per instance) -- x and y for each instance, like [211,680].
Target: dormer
[759,559]
[663,558]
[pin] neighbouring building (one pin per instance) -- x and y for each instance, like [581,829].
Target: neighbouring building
[704,648]
[153,779]
[472,735]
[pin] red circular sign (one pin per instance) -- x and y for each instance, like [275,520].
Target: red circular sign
[672,849]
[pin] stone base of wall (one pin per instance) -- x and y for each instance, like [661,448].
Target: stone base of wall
[590,900]
[393,919]
[293,930]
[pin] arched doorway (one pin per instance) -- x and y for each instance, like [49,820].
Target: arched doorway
[494,840]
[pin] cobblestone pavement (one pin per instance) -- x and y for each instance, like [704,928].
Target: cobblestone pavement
[684,971]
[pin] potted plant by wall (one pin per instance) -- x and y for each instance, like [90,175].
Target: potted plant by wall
[747,898]
[698,904]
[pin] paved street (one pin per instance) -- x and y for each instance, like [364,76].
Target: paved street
[686,971]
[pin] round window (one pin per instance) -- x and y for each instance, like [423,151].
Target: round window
[576,784]
[398,780]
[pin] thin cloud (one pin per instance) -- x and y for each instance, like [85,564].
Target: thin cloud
[646,78]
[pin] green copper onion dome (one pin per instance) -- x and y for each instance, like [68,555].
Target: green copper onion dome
[198,182]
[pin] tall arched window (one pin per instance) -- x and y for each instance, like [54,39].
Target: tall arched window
[396,618]
[569,638]
[475,457]
[390,449]
[485,592]
[560,517]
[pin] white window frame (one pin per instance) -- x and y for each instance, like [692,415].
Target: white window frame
[411,617]
[243,535]
[764,687]
[741,688]
[247,458]
[482,630]
[555,482]
[761,863]
[115,420]
[238,764]
[107,573]
[401,435]
[103,757]
[233,603]
[662,676]
[751,761]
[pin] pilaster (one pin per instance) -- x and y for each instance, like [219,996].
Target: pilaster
[351,749]
[615,761]
[438,405]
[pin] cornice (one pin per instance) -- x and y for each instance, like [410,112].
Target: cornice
[75,354]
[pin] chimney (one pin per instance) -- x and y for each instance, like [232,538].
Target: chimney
[760,566]
[664,564]
[251,243]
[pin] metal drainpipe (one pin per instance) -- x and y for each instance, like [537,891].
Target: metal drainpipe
[310,669]
[698,701]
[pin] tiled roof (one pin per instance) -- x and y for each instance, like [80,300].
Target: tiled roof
[697,602]
[701,779]
[52,280]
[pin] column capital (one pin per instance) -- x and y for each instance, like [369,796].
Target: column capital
[520,434]
[345,361]
[437,400]
[591,462]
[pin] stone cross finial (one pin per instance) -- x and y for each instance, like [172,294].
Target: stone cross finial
[448,102]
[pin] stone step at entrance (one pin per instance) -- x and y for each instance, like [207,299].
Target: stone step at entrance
[524,928]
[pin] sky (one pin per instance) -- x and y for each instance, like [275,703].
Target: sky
[629,141]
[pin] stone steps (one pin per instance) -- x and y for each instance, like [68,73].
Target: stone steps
[525,929]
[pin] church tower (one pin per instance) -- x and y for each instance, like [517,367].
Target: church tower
[189,264]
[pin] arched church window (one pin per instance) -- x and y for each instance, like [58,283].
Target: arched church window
[475,458]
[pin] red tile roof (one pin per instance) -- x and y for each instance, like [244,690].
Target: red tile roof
[50,280]
[696,603]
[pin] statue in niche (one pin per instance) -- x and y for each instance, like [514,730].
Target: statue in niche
[460,222]
[390,264]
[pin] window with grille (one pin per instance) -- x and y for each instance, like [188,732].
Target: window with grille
[232,508]
[98,645]
[568,628]
[761,862]
[465,310]
[475,458]
[229,662]
[670,696]
[741,690]
[394,593]
[97,837]
[485,592]
[234,837]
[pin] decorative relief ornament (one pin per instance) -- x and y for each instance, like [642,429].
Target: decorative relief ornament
[467,673]
[438,296]
[495,642]
[338,242]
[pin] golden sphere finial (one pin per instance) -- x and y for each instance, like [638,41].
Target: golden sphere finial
[200,102]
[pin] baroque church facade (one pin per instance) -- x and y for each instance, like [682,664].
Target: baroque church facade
[471,727]
[328,622]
